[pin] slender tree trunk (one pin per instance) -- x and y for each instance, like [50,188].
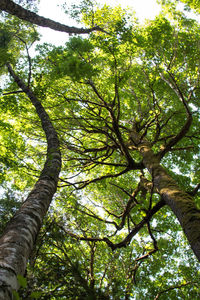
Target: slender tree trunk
[20,234]
[24,14]
[181,203]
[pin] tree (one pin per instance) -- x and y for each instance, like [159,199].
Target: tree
[189,4]
[24,14]
[122,100]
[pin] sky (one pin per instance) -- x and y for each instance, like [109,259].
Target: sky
[144,8]
[48,8]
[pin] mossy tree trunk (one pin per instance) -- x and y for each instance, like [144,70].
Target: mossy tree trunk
[180,202]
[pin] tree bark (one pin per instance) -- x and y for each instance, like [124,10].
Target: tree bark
[181,203]
[24,14]
[20,234]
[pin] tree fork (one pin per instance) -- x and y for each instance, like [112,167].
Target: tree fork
[20,233]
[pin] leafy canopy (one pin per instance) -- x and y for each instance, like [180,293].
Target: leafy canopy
[107,234]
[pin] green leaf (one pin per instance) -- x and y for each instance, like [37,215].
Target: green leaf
[35,295]
[22,281]
[16,295]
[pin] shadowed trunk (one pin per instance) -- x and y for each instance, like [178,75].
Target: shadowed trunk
[20,234]
[181,203]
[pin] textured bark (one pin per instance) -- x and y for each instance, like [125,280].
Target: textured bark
[20,234]
[181,203]
[24,14]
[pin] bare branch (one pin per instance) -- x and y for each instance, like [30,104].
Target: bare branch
[178,286]
[128,238]
[154,244]
[14,92]
[195,190]
[185,128]
[29,60]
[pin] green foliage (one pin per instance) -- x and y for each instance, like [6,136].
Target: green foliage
[9,203]
[5,38]
[16,295]
[22,281]
[97,90]
[193,4]
[75,11]
[74,60]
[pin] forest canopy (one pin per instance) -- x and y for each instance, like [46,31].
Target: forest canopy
[118,217]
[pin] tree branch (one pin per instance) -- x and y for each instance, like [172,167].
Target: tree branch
[195,190]
[185,128]
[178,286]
[24,14]
[128,238]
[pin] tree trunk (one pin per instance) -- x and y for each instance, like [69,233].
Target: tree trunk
[24,14]
[181,203]
[20,234]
